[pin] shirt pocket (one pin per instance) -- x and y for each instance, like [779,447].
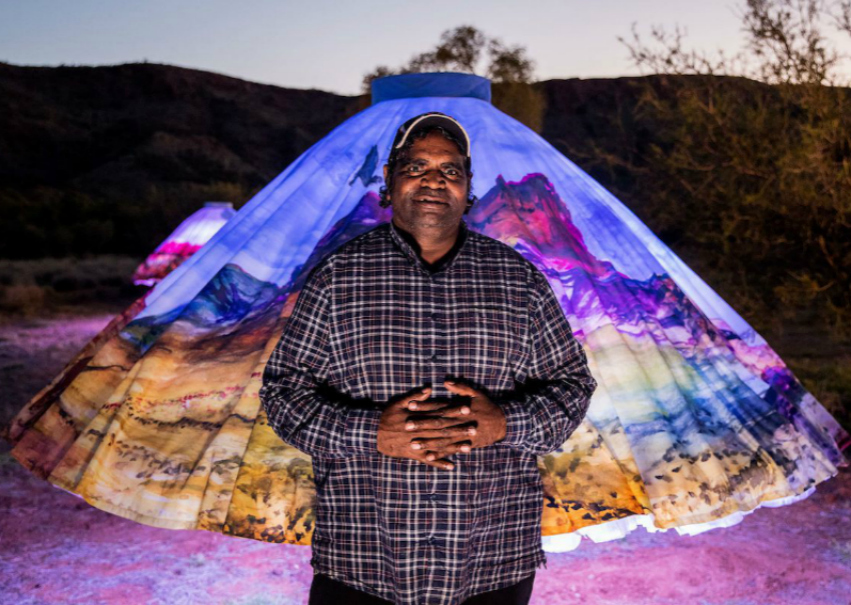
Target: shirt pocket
[375,350]
[491,343]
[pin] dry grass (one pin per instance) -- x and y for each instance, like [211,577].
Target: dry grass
[34,287]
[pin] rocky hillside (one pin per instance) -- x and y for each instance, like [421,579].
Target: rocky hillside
[110,159]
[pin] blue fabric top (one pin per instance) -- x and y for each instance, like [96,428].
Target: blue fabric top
[410,86]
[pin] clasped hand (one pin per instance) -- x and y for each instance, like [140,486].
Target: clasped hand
[428,431]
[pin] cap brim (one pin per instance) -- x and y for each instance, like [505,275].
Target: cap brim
[445,122]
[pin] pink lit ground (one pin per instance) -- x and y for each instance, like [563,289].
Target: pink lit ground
[54,548]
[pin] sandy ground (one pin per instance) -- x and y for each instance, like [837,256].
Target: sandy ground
[55,548]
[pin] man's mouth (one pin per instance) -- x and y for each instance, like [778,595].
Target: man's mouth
[429,200]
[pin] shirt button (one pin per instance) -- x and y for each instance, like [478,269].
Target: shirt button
[435,357]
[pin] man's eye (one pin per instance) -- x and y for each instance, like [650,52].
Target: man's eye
[414,169]
[452,172]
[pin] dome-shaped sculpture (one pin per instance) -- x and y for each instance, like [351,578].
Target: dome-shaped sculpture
[183,242]
[695,420]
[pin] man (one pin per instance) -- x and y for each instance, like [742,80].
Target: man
[424,368]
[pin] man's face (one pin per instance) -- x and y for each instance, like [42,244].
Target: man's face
[430,185]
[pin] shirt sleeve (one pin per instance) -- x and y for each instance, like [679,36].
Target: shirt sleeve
[555,397]
[302,409]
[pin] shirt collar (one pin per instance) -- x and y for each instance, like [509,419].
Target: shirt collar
[400,238]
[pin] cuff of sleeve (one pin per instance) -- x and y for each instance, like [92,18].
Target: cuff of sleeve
[518,421]
[362,431]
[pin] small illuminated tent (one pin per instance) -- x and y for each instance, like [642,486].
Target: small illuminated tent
[183,242]
[695,422]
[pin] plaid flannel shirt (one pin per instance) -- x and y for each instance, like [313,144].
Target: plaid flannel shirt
[374,321]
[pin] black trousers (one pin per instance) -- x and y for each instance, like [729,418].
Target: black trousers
[327,591]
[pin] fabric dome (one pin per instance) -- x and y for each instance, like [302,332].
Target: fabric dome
[695,422]
[183,242]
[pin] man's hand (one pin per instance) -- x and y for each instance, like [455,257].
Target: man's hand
[395,440]
[487,418]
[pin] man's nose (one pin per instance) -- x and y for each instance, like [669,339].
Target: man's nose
[434,176]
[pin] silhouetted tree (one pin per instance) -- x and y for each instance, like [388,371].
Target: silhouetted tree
[465,49]
[753,170]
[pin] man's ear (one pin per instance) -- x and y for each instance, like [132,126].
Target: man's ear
[385,173]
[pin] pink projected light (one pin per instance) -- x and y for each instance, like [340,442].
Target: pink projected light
[183,242]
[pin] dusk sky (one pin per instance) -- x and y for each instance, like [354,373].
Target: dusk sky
[330,45]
